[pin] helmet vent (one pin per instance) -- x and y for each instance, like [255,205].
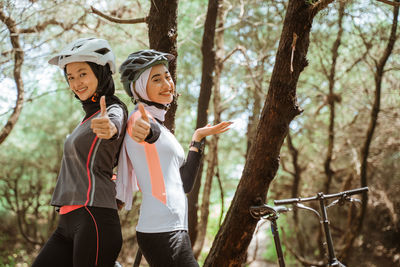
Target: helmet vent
[76,47]
[103,51]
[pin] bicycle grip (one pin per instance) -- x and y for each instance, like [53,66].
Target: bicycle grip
[286,201]
[356,191]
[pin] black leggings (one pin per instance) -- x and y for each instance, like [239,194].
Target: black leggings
[167,249]
[85,237]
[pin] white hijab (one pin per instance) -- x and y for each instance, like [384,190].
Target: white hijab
[140,86]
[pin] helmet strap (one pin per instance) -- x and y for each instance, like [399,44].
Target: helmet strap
[150,103]
[157,105]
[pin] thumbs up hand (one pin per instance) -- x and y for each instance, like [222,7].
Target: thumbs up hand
[141,126]
[103,126]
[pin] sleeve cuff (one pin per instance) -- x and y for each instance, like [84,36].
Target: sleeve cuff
[154,134]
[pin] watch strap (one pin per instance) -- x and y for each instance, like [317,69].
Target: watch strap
[198,145]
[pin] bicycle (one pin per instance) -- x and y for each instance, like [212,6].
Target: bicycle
[271,214]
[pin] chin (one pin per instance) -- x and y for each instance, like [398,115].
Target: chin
[166,102]
[83,98]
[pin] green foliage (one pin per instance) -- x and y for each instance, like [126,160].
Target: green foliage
[30,160]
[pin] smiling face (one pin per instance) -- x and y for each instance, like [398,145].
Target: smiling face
[81,79]
[160,86]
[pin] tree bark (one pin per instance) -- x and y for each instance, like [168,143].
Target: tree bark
[207,50]
[378,76]
[163,32]
[253,120]
[231,243]
[18,61]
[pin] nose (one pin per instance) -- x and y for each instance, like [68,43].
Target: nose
[168,85]
[75,83]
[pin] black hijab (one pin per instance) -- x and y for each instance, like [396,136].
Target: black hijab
[105,87]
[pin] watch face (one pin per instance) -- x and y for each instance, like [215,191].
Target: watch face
[197,145]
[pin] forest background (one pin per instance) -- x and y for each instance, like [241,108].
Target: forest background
[343,131]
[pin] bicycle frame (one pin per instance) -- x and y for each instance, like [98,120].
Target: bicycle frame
[272,214]
[333,261]
[277,241]
[343,196]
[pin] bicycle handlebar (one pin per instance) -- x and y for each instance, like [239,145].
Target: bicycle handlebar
[320,195]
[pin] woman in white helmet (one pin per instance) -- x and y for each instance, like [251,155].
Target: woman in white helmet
[89,231]
[152,161]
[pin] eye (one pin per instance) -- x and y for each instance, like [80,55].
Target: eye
[70,78]
[83,74]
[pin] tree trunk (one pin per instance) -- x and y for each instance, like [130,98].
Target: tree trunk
[163,31]
[331,101]
[231,243]
[213,149]
[202,107]
[297,170]
[380,65]
[18,61]
[254,117]
[205,202]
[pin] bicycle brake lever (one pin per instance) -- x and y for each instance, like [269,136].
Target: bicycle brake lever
[356,200]
[301,206]
[281,209]
[333,203]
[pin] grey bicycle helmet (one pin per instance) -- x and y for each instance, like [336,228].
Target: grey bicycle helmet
[86,49]
[138,62]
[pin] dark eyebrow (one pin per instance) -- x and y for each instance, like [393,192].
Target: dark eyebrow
[158,75]
[80,70]
[155,75]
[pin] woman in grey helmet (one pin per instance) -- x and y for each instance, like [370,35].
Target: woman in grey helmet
[89,231]
[152,161]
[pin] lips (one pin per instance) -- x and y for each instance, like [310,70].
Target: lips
[166,93]
[81,90]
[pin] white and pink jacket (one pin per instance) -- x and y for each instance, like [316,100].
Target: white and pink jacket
[160,172]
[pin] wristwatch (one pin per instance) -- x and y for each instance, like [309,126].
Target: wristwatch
[198,145]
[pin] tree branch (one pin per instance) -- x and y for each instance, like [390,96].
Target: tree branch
[117,20]
[243,51]
[41,27]
[318,6]
[221,189]
[365,150]
[18,61]
[389,2]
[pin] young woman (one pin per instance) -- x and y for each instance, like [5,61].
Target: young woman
[152,159]
[89,231]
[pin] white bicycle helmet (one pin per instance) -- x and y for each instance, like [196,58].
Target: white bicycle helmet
[86,49]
